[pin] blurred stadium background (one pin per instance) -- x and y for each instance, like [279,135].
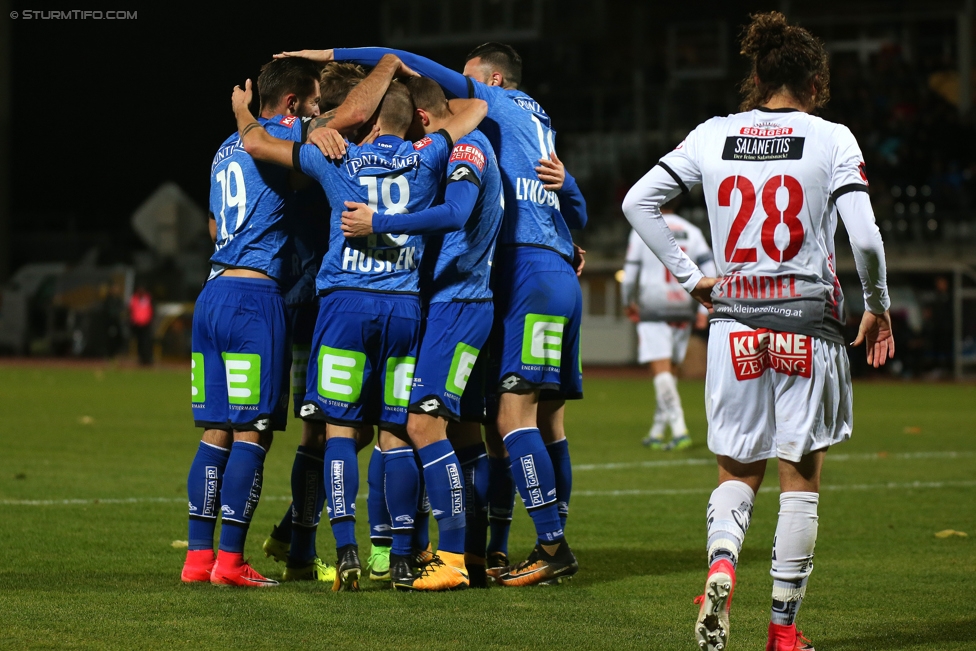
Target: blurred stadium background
[623,82]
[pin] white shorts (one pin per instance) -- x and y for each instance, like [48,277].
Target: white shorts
[659,340]
[770,394]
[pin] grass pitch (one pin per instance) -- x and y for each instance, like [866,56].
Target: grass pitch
[84,568]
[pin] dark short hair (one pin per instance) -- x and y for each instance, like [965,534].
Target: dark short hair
[500,57]
[396,108]
[427,95]
[336,81]
[281,77]
[782,56]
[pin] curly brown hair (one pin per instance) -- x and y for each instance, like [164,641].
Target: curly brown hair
[783,56]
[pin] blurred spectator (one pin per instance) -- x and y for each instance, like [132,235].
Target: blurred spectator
[140,320]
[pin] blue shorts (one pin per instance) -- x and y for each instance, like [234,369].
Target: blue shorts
[454,335]
[535,341]
[364,352]
[302,318]
[239,372]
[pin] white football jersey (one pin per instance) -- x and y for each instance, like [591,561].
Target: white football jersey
[648,282]
[770,179]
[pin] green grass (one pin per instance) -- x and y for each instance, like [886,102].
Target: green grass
[102,575]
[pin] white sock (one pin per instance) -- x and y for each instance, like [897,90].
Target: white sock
[796,536]
[728,515]
[660,424]
[669,402]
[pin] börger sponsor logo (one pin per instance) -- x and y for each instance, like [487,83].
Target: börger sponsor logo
[528,467]
[784,352]
[338,499]
[765,132]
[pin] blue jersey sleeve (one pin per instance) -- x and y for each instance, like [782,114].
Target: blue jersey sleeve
[286,127]
[452,82]
[572,205]
[308,160]
[459,202]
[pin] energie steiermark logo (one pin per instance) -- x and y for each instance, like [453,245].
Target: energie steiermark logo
[399,381]
[341,374]
[198,385]
[461,366]
[542,339]
[243,378]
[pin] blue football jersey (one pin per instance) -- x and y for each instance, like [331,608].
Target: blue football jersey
[521,133]
[391,176]
[461,269]
[248,201]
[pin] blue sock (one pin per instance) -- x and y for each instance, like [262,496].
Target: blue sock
[445,488]
[559,455]
[240,493]
[402,487]
[308,495]
[283,530]
[535,480]
[474,465]
[421,525]
[379,516]
[501,502]
[203,489]
[341,488]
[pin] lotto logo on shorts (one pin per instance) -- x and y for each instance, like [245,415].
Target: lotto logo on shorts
[754,352]
[341,374]
[542,340]
[461,366]
[198,385]
[243,378]
[399,380]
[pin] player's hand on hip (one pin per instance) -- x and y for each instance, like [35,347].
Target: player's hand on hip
[579,261]
[319,56]
[703,291]
[551,172]
[357,220]
[632,312]
[875,333]
[241,98]
[329,141]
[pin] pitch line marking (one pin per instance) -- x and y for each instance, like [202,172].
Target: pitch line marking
[842,488]
[617,493]
[873,456]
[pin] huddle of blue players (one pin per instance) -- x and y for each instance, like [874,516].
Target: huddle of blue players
[445,301]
